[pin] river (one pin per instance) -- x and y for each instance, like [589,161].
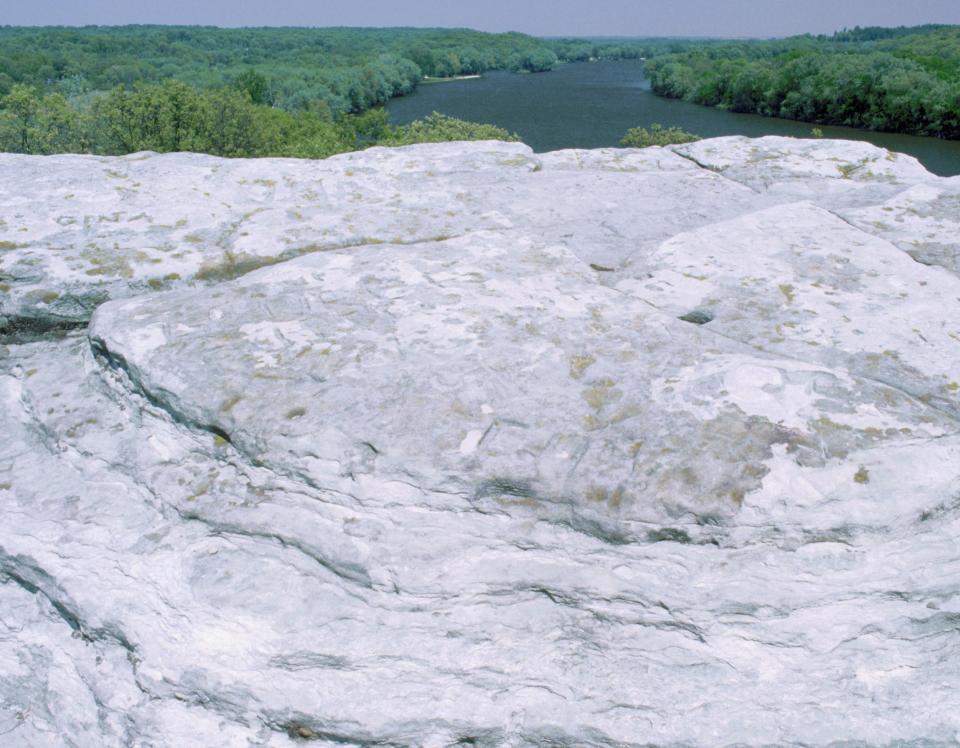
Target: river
[591,105]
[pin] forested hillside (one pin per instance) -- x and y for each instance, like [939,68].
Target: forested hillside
[248,92]
[310,92]
[337,69]
[172,116]
[234,92]
[898,80]
[623,48]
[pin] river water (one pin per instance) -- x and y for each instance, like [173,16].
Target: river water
[591,105]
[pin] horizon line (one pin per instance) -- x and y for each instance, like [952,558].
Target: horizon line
[456,28]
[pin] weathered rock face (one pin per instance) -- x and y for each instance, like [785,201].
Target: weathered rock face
[460,444]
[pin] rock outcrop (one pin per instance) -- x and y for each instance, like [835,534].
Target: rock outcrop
[465,445]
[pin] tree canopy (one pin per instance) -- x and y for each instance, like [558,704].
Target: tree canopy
[303,91]
[349,70]
[898,80]
[245,92]
[172,116]
[639,137]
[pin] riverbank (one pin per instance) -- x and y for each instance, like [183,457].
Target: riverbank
[592,105]
[451,79]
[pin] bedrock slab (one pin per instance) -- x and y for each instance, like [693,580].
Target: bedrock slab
[76,231]
[482,447]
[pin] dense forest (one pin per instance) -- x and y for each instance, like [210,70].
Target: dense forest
[249,92]
[172,116]
[315,92]
[623,48]
[340,69]
[333,71]
[899,80]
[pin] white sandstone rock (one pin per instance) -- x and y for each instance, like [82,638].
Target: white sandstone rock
[461,444]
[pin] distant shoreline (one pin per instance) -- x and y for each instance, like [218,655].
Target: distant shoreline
[428,79]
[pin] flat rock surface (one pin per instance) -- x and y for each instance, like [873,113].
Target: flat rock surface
[465,445]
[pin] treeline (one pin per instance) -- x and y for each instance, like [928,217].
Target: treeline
[172,116]
[245,92]
[875,33]
[583,50]
[329,70]
[335,71]
[897,82]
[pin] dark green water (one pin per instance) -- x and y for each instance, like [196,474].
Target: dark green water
[591,105]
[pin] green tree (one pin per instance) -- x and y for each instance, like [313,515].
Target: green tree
[62,129]
[369,127]
[438,128]
[901,80]
[254,85]
[30,124]
[228,123]
[638,137]
[163,118]
[178,108]
[19,125]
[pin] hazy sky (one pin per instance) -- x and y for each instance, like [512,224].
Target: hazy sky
[545,17]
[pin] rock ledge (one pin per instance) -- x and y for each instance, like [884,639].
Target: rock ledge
[462,444]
